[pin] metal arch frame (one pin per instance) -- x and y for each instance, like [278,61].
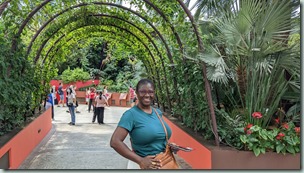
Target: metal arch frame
[156,48]
[51,58]
[207,86]
[149,70]
[59,39]
[110,4]
[153,59]
[146,1]
[204,71]
[43,44]
[155,29]
[134,12]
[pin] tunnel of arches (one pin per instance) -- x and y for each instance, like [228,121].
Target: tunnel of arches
[159,34]
[163,37]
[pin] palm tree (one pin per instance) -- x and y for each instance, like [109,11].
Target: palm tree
[251,51]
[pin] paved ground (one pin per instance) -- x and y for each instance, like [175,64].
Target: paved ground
[83,146]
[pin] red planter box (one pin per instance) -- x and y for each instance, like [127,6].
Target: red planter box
[119,99]
[22,144]
[208,156]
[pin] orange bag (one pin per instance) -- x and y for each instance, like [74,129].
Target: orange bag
[167,158]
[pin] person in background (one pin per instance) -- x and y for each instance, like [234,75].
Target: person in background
[53,91]
[71,102]
[91,97]
[87,95]
[145,129]
[100,103]
[135,98]
[49,103]
[74,91]
[132,95]
[61,94]
[105,92]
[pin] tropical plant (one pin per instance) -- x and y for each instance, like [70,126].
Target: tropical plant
[285,138]
[251,51]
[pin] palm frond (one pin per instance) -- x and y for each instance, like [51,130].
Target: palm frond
[217,69]
[265,66]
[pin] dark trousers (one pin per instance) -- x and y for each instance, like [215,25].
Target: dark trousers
[52,112]
[94,114]
[100,114]
[90,103]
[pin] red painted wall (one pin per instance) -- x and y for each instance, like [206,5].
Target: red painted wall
[22,144]
[78,84]
[199,157]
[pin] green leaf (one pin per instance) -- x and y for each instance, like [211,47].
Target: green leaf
[290,149]
[263,150]
[257,151]
[255,128]
[263,134]
[253,140]
[297,149]
[279,148]
[244,139]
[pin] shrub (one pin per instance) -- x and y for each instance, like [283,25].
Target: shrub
[70,76]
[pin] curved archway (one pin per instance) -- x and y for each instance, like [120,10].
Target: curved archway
[147,36]
[149,3]
[151,54]
[96,3]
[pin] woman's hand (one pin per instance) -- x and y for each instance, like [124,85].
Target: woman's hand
[149,162]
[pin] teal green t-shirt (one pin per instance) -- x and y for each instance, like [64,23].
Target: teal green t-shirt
[146,131]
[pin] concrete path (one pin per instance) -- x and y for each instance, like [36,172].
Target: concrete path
[83,146]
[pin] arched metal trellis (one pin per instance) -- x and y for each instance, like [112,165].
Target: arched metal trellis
[162,14]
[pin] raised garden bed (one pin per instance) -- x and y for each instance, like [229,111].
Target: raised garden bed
[207,156]
[18,144]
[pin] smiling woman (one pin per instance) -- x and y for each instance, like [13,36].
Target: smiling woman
[148,132]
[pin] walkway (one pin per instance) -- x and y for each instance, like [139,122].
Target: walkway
[83,146]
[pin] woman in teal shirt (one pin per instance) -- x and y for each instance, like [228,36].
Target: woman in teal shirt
[147,134]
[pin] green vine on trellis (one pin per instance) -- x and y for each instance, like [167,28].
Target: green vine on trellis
[169,27]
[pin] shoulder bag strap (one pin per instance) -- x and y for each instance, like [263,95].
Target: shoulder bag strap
[162,124]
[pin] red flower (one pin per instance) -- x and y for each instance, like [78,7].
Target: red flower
[280,136]
[297,129]
[277,121]
[257,115]
[249,132]
[247,127]
[285,125]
